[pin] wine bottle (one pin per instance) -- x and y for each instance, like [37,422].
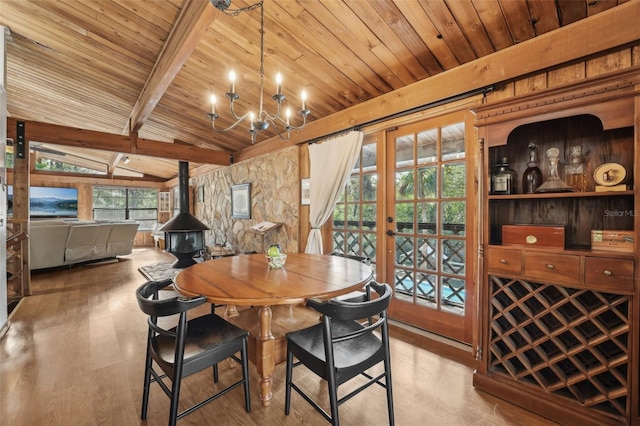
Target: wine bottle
[532,176]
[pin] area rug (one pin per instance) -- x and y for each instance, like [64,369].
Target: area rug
[159,271]
[162,271]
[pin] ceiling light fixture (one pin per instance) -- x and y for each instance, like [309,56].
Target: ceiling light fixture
[126,160]
[263,119]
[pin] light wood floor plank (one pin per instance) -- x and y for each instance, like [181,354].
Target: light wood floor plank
[74,355]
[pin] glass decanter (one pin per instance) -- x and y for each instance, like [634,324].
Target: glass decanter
[554,183]
[574,172]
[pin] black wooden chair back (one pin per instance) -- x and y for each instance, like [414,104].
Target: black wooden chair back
[189,347]
[341,348]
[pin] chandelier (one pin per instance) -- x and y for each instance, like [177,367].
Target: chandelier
[264,119]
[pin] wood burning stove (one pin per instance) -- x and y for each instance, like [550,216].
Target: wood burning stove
[184,234]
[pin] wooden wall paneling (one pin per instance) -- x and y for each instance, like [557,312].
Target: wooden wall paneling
[305,225]
[566,74]
[85,207]
[612,61]
[530,84]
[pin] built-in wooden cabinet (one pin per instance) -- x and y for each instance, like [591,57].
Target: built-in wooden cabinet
[559,326]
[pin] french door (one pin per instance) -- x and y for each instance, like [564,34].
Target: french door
[428,244]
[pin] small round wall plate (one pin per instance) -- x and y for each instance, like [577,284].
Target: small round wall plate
[609,174]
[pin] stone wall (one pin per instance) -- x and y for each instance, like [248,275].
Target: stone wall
[275,197]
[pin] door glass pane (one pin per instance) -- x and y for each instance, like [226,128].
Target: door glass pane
[369,187]
[453,256]
[454,177]
[404,251]
[427,254]
[453,142]
[453,218]
[353,188]
[369,217]
[404,151]
[404,185]
[404,285]
[369,245]
[426,287]
[369,157]
[427,146]
[427,182]
[353,216]
[404,217]
[339,216]
[427,218]
[453,294]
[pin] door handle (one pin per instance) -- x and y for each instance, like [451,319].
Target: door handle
[391,233]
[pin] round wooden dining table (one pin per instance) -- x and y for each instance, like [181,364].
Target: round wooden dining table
[274,297]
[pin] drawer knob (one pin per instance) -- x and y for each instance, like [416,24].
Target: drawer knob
[503,261]
[550,266]
[607,272]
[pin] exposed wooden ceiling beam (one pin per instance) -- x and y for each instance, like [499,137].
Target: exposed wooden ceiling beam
[70,136]
[578,40]
[191,25]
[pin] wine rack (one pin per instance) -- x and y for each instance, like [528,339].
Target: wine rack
[572,343]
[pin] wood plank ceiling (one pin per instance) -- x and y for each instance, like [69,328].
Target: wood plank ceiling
[99,65]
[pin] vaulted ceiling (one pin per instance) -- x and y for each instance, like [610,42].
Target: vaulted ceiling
[150,66]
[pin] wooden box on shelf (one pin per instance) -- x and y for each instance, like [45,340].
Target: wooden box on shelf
[524,235]
[621,241]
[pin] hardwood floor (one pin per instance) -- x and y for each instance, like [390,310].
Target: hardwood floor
[74,355]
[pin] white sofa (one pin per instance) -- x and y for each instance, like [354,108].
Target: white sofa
[56,243]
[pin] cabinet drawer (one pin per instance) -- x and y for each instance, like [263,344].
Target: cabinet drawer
[504,261]
[615,275]
[552,268]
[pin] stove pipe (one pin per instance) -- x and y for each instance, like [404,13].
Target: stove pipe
[184,221]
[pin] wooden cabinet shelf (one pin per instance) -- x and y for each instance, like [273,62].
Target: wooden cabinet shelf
[559,325]
[553,195]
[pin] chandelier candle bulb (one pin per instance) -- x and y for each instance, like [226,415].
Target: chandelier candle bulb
[303,95]
[212,99]
[232,81]
[278,84]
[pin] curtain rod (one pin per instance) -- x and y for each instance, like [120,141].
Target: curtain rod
[454,98]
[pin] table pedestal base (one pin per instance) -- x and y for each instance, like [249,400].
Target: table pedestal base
[267,327]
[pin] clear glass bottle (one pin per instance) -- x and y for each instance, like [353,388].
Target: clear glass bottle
[503,178]
[532,176]
[574,171]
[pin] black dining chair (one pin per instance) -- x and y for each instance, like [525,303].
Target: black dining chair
[187,348]
[341,348]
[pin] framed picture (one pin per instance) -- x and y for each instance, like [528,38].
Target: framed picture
[201,194]
[241,201]
[305,194]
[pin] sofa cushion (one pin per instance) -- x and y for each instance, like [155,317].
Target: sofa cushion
[121,238]
[47,245]
[80,242]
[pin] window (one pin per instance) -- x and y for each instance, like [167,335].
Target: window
[122,203]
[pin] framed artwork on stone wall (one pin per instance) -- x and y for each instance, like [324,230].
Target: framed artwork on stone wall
[241,201]
[201,193]
[305,191]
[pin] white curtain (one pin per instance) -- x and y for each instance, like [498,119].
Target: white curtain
[331,164]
